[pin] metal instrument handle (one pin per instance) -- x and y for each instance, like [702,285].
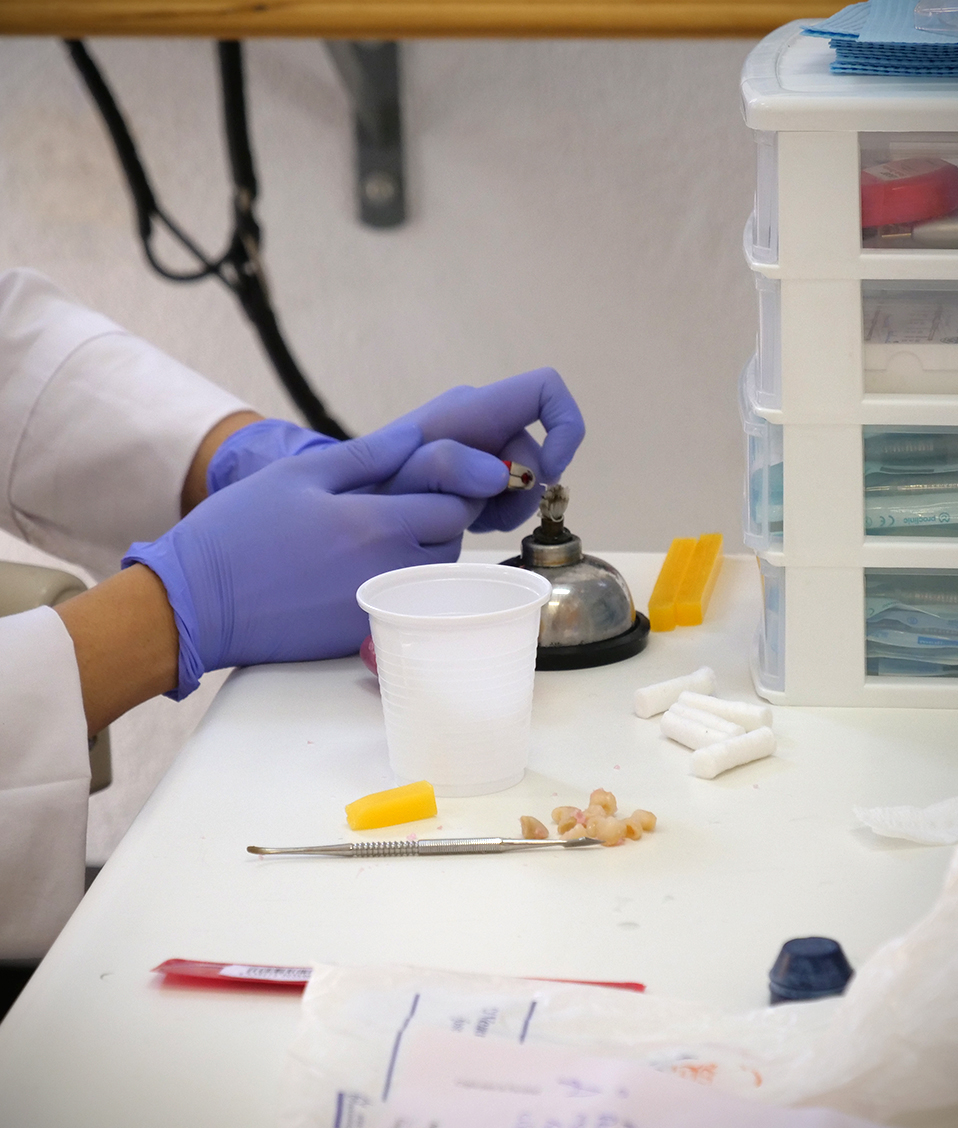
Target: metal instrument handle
[461,846]
[404,848]
[392,849]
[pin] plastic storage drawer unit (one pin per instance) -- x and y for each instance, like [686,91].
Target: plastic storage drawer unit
[850,407]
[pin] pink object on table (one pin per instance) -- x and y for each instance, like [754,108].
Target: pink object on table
[368,654]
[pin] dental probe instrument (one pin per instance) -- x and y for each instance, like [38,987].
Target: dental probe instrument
[422,847]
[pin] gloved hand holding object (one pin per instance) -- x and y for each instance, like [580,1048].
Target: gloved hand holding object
[443,466]
[267,570]
[491,418]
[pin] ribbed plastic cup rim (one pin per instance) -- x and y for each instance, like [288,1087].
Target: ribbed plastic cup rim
[538,587]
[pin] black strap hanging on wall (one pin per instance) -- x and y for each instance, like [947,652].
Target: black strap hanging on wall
[240,267]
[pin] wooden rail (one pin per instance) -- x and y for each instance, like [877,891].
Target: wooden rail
[398,19]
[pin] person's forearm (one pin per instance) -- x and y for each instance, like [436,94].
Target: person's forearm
[194,485]
[126,643]
[123,630]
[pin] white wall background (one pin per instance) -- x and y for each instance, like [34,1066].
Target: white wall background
[578,204]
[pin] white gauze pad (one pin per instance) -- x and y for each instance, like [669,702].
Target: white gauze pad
[710,720]
[652,699]
[688,732]
[738,712]
[936,825]
[709,762]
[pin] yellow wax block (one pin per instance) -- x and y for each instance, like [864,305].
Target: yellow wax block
[696,588]
[662,599]
[397,805]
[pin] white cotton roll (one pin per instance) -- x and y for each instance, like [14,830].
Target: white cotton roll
[709,720]
[750,717]
[689,733]
[652,699]
[709,762]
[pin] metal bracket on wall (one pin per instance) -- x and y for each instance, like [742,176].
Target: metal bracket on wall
[370,72]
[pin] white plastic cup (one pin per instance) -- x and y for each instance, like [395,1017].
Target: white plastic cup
[456,655]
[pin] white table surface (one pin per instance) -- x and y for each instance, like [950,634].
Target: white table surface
[698,909]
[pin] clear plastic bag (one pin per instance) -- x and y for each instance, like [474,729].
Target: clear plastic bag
[887,1050]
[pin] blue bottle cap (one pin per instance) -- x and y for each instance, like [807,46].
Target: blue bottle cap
[810,967]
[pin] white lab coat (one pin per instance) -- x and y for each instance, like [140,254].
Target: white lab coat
[97,431]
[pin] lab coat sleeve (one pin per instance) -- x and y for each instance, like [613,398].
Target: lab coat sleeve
[97,427]
[44,782]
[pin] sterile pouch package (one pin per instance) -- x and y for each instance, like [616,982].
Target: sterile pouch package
[886,1051]
[911,623]
[902,505]
[911,481]
[909,314]
[912,450]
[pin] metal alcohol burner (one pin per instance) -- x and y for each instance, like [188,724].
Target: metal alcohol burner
[590,619]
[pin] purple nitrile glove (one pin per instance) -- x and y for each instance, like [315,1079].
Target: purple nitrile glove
[443,466]
[267,570]
[490,419]
[257,445]
[494,418]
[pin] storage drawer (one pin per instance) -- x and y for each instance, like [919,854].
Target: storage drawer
[762,517]
[771,633]
[910,337]
[762,231]
[910,481]
[909,191]
[911,623]
[766,378]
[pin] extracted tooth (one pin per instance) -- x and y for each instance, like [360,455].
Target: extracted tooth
[532,828]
